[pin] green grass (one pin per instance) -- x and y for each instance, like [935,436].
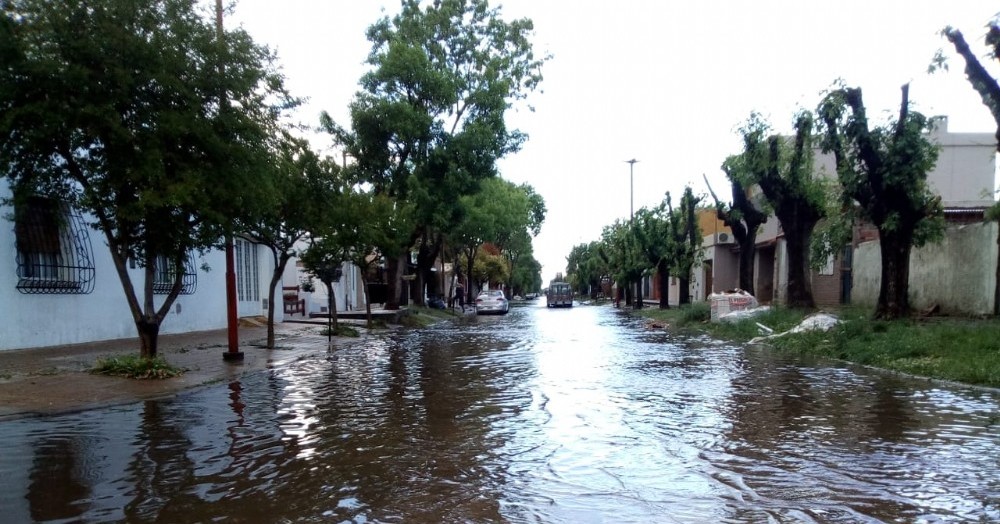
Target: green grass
[134,366]
[957,349]
[341,330]
[420,316]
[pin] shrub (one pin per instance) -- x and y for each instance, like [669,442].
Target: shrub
[134,366]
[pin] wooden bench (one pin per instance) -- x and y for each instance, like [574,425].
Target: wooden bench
[293,304]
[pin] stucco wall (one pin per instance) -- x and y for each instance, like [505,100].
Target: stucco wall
[958,274]
[46,320]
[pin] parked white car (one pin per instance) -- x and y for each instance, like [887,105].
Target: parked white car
[492,301]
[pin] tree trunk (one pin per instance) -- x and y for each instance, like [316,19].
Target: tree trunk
[799,287]
[996,286]
[747,253]
[149,331]
[663,271]
[468,281]
[368,304]
[684,283]
[331,301]
[275,278]
[638,294]
[893,295]
[426,256]
[393,281]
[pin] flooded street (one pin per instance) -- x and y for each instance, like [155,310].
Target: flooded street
[542,415]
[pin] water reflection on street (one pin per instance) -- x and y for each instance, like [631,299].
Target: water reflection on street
[542,415]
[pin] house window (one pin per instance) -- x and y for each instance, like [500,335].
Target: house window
[165,272]
[247,277]
[54,254]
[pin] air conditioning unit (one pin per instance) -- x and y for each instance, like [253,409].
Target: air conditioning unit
[724,238]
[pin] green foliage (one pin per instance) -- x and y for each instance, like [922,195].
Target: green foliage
[883,172]
[428,125]
[586,267]
[958,349]
[684,249]
[620,249]
[653,234]
[306,187]
[695,313]
[137,114]
[490,269]
[783,169]
[526,276]
[502,214]
[134,366]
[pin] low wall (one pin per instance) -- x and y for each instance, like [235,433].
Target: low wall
[957,274]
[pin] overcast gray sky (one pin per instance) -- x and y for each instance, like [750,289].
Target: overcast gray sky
[660,81]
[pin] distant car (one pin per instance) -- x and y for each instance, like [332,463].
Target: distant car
[559,294]
[492,301]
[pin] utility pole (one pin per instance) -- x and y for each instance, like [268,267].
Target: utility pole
[232,322]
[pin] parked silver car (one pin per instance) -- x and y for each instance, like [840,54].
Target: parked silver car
[492,301]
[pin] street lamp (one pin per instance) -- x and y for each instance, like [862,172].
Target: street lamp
[631,210]
[631,188]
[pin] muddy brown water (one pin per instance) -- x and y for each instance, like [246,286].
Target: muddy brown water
[569,415]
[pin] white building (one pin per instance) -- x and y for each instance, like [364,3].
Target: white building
[66,290]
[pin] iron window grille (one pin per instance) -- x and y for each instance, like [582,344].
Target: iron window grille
[54,253]
[165,271]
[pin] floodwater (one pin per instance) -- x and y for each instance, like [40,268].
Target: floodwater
[542,415]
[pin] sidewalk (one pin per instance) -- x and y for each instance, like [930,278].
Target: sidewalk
[56,379]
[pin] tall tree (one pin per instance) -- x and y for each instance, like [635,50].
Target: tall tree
[527,277]
[585,268]
[624,257]
[784,173]
[742,217]
[653,232]
[883,172]
[116,107]
[429,121]
[685,241]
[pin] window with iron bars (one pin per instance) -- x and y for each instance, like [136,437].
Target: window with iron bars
[54,253]
[165,272]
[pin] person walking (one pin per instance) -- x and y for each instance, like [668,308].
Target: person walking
[460,295]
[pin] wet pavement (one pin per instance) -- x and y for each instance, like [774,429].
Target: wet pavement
[542,415]
[57,379]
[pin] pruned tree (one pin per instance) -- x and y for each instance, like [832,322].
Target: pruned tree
[140,115]
[685,241]
[784,172]
[883,173]
[982,81]
[742,217]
